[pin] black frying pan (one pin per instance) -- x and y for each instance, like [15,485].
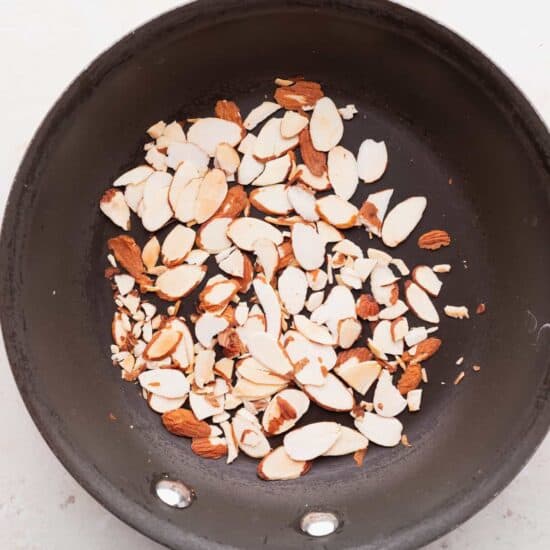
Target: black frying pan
[445,112]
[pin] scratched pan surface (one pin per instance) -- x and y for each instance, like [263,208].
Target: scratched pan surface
[445,112]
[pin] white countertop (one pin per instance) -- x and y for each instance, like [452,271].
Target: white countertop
[44,45]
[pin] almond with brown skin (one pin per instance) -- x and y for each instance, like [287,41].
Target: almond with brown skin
[410,379]
[234,203]
[228,110]
[128,255]
[367,306]
[424,350]
[481,309]
[434,239]
[184,423]
[361,354]
[286,255]
[301,94]
[369,213]
[315,160]
[248,274]
[209,447]
[231,344]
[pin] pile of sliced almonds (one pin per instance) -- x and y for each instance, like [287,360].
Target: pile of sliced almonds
[297,315]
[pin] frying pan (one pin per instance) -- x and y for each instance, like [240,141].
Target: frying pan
[457,131]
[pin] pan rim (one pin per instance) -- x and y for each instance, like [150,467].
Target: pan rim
[112,497]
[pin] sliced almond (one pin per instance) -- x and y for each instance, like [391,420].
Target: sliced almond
[302,200]
[425,278]
[208,133]
[456,312]
[314,301]
[179,281]
[177,244]
[272,199]
[168,383]
[349,331]
[401,266]
[230,438]
[414,399]
[268,351]
[382,281]
[388,401]
[187,152]
[125,283]
[233,264]
[326,126]
[319,183]
[163,404]
[270,143]
[394,311]
[312,360]
[420,303]
[332,395]
[270,304]
[156,159]
[172,133]
[212,236]
[244,232]
[329,233]
[113,205]
[268,257]
[337,212]
[363,267]
[299,95]
[416,335]
[383,341]
[162,344]
[399,328]
[187,198]
[246,146]
[292,124]
[442,268]
[204,405]
[359,375]
[183,355]
[212,192]
[349,278]
[374,210]
[348,248]
[284,411]
[349,441]
[249,436]
[372,160]
[402,219]
[217,296]
[275,171]
[317,279]
[249,169]
[385,432]
[381,257]
[207,327]
[227,158]
[308,246]
[340,304]
[204,367]
[133,196]
[224,367]
[278,466]
[134,176]
[260,113]
[312,331]
[348,112]
[251,391]
[186,172]
[292,285]
[311,441]
[255,372]
[342,172]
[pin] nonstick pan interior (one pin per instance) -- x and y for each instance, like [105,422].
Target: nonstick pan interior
[457,131]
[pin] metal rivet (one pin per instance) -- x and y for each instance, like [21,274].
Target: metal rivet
[319,524]
[174,493]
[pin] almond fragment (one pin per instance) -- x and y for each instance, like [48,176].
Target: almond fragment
[314,301]
[162,404]
[177,244]
[278,466]
[230,343]
[227,158]
[209,447]
[275,171]
[399,328]
[228,110]
[481,309]
[299,95]
[442,268]
[424,277]
[249,169]
[208,133]
[332,395]
[162,344]
[414,398]
[233,264]
[385,432]
[308,247]
[234,203]
[402,219]
[207,327]
[184,210]
[318,183]
[204,406]
[360,375]
[270,304]
[367,307]
[269,352]
[260,113]
[211,194]
[211,236]
[284,411]
[186,172]
[312,331]
[349,441]
[272,199]
[302,199]
[169,383]
[113,205]
[348,112]
[315,160]
[420,303]
[156,210]
[179,153]
[311,441]
[267,256]
[183,422]
[349,331]
[128,255]
[383,340]
[394,311]
[326,126]
[270,143]
[337,212]
[410,379]
[244,232]
[134,176]
[179,281]
[256,444]
[372,160]
[457,312]
[292,286]
[342,172]
[292,124]
[424,350]
[434,239]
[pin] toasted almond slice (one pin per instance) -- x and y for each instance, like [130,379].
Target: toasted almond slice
[402,219]
[416,335]
[392,312]
[399,328]
[303,201]
[301,350]
[348,111]
[317,279]
[233,264]
[425,278]
[168,383]
[133,196]
[374,210]
[255,372]
[284,411]
[124,283]
[275,171]
[270,143]
[246,146]
[184,354]
[212,192]
[332,395]
[359,375]
[272,199]
[385,432]
[329,233]
[349,331]
[267,350]
[251,391]
[207,327]
[260,113]
[184,174]
[217,296]
[292,287]
[227,158]
[372,160]
[187,198]
[230,438]
[113,205]
[244,232]
[292,124]
[308,246]
[163,344]
[337,211]
[314,301]
[179,281]
[270,304]
[342,172]
[414,399]
[204,405]
[313,331]
[348,248]
[156,210]
[208,133]
[456,312]
[382,339]
[326,126]
[249,169]
[187,152]
[420,303]
[278,466]
[177,244]
[319,183]
[204,367]
[249,436]
[163,404]
[134,176]
[311,441]
[268,257]
[212,237]
[349,441]
[388,401]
